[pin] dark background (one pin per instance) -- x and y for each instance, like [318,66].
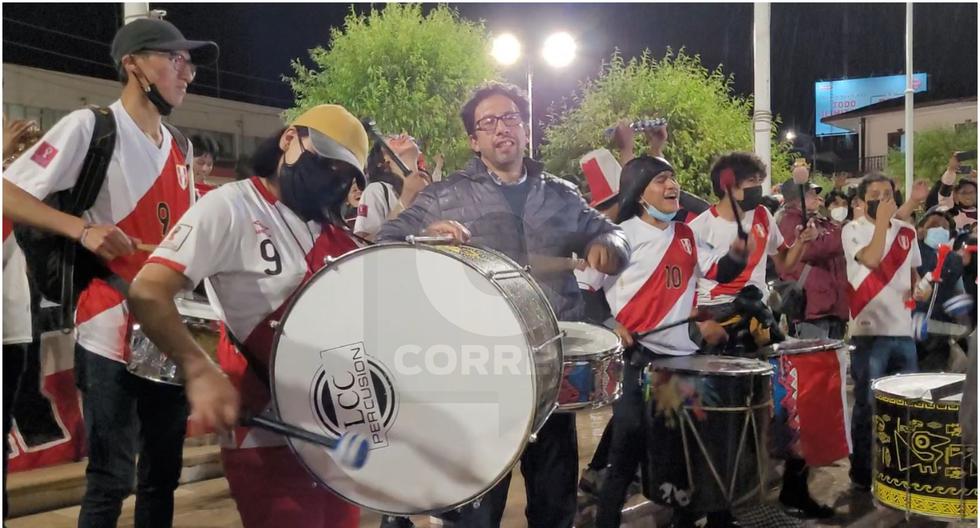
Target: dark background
[810,42]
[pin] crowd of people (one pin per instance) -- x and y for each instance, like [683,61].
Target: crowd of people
[865,261]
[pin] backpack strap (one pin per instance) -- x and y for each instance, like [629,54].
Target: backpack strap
[182,142]
[81,198]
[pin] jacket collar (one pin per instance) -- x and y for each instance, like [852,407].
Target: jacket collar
[476,170]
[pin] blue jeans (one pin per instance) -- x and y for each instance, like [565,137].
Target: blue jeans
[125,415]
[873,358]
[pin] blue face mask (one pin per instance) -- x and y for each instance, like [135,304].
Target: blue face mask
[936,236]
[657,213]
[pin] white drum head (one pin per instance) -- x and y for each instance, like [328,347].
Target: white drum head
[584,339]
[917,386]
[421,354]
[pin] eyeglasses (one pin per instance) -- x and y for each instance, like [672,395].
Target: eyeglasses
[179,62]
[489,123]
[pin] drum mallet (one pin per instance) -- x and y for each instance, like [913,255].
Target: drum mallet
[668,326]
[350,450]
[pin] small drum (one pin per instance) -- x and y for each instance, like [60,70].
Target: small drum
[921,465]
[705,422]
[810,397]
[593,370]
[146,360]
[446,358]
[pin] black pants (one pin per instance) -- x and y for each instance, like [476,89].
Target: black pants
[550,469]
[125,415]
[627,449]
[14,359]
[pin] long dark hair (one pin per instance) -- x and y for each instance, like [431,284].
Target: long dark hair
[379,170]
[636,175]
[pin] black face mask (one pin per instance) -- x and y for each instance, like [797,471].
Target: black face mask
[872,209]
[158,101]
[314,188]
[751,198]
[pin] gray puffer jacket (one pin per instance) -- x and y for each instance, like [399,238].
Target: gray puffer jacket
[557,222]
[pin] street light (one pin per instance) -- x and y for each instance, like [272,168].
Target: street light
[790,135]
[558,51]
[506,49]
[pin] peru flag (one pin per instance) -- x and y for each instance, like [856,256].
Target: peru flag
[811,418]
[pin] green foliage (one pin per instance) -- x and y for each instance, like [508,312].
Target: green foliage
[409,70]
[705,117]
[932,151]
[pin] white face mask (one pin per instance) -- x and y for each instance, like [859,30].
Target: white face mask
[839,214]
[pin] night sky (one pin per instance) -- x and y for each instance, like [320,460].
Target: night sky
[810,42]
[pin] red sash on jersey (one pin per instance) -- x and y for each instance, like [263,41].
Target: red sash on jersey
[760,231]
[883,274]
[657,297]
[255,391]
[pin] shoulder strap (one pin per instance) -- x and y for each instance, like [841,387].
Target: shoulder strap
[180,137]
[804,275]
[92,175]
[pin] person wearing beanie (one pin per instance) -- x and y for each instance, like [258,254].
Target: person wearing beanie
[656,288]
[148,186]
[255,242]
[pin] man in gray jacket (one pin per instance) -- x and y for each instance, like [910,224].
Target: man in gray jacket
[506,202]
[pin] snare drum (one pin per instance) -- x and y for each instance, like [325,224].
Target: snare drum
[146,360]
[593,369]
[446,358]
[921,465]
[705,426]
[810,397]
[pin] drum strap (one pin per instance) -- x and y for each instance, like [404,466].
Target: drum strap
[254,364]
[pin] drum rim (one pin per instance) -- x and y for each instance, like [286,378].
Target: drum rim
[765,369]
[617,349]
[530,429]
[876,390]
[776,350]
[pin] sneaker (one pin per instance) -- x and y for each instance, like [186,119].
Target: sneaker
[805,507]
[591,481]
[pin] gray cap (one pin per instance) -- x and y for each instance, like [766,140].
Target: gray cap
[155,34]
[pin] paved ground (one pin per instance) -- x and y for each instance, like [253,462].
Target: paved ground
[208,504]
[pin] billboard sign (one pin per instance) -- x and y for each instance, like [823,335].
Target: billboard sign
[837,97]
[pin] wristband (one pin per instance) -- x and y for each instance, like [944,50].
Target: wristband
[85,229]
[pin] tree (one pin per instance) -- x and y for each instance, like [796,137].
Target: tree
[408,70]
[932,151]
[705,118]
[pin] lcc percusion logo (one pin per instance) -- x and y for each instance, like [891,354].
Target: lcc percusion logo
[352,391]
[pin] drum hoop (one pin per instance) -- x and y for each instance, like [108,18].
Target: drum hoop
[765,369]
[876,391]
[529,429]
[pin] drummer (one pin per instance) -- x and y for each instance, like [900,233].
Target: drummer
[505,201]
[256,242]
[656,288]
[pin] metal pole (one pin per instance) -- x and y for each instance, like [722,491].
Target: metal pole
[762,116]
[530,108]
[909,103]
[134,10]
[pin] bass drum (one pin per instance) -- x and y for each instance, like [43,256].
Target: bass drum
[447,358]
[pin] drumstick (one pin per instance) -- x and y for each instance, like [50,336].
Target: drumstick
[149,248]
[543,264]
[738,221]
[661,328]
[368,124]
[350,450]
[945,391]
[420,239]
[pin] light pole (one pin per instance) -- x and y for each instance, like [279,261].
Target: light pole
[558,51]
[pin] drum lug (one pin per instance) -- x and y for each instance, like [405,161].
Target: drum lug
[273,324]
[532,438]
[508,274]
[329,259]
